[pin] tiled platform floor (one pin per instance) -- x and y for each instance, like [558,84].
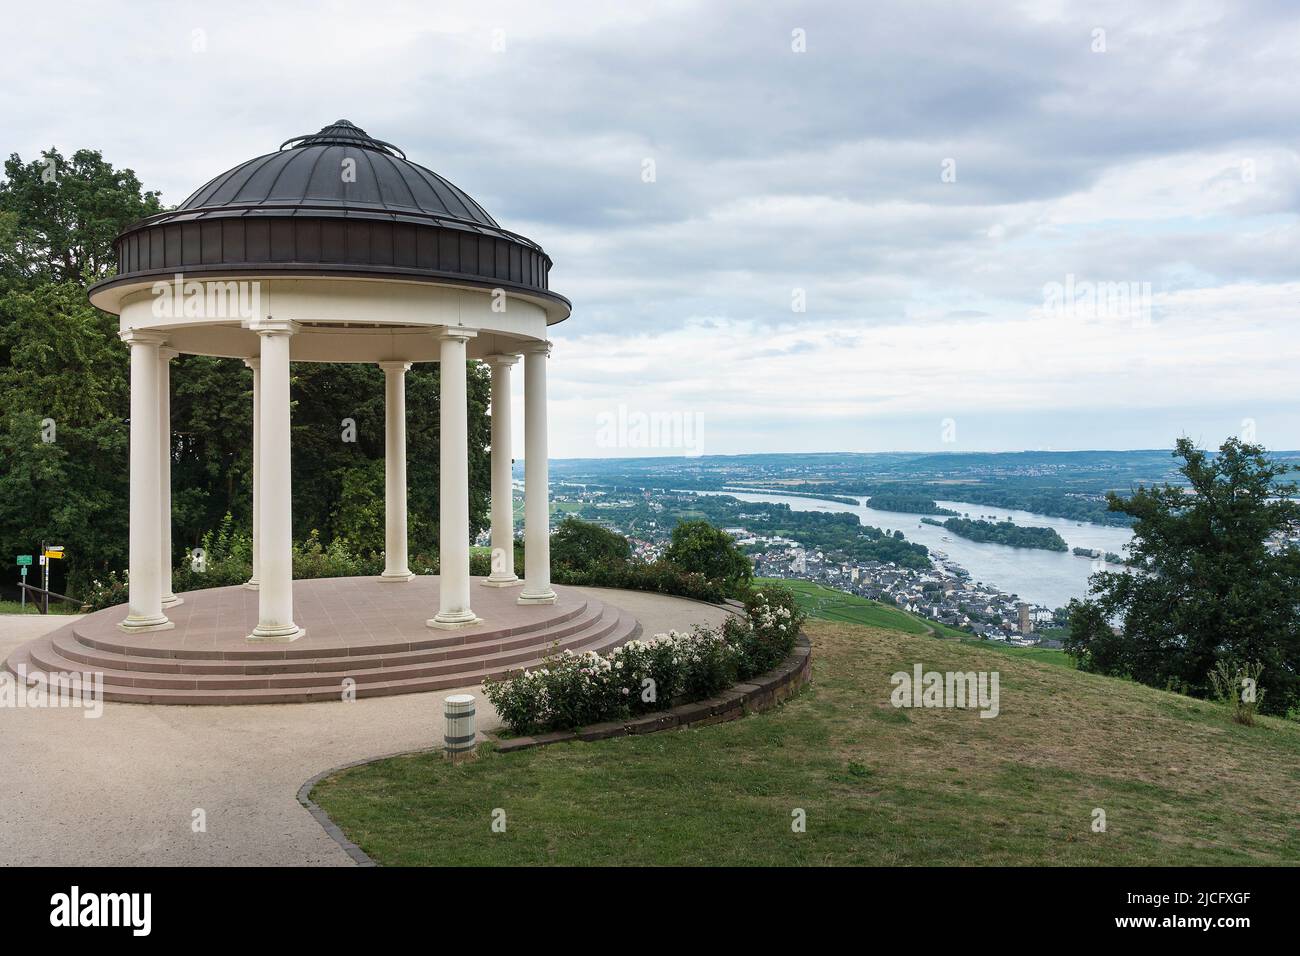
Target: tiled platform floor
[363,637]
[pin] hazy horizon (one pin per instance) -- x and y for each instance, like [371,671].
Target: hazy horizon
[897,451]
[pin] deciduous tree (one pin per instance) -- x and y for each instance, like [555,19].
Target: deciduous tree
[1213,581]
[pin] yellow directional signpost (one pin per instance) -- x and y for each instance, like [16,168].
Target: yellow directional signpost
[49,552]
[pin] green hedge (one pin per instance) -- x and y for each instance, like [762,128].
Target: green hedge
[225,558]
[658,576]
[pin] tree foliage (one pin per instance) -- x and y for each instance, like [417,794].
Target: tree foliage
[580,545]
[61,361]
[1212,582]
[1004,532]
[699,547]
[60,216]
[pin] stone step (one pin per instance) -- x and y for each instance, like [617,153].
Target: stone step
[72,648]
[613,628]
[45,657]
[152,647]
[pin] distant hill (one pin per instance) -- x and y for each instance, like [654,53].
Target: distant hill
[1061,484]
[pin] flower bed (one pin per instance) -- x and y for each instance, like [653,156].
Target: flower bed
[657,576]
[644,676]
[756,695]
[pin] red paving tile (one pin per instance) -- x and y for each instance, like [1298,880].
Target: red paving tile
[358,628]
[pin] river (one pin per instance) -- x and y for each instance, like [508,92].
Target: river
[1049,578]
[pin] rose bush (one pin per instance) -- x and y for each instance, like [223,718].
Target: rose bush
[772,623]
[571,690]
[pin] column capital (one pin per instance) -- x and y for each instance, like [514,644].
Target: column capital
[142,337]
[167,354]
[454,332]
[542,347]
[269,325]
[501,359]
[254,363]
[395,366]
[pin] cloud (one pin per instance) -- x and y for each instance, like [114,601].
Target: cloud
[787,179]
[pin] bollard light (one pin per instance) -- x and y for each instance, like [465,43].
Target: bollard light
[459,735]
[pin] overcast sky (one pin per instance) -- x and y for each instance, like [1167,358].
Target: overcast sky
[871,226]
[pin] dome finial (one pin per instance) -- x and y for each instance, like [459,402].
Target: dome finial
[343,133]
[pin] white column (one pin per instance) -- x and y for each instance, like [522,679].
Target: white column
[165,357]
[275,569]
[395,542]
[256,365]
[144,601]
[537,519]
[503,508]
[453,485]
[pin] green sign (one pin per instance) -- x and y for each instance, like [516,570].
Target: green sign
[24,559]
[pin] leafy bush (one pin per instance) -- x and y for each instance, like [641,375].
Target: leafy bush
[228,560]
[699,547]
[767,637]
[579,545]
[571,690]
[706,666]
[584,553]
[359,515]
[658,576]
[1237,686]
[224,557]
[106,592]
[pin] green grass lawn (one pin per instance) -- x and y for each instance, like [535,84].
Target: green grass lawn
[1178,781]
[1047,655]
[56,607]
[832,605]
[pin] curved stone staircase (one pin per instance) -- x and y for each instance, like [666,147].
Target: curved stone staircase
[213,665]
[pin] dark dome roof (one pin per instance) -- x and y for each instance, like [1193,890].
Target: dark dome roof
[309,173]
[304,210]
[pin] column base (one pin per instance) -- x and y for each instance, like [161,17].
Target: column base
[138,625]
[275,635]
[396,577]
[452,620]
[504,581]
[251,584]
[538,597]
[171,600]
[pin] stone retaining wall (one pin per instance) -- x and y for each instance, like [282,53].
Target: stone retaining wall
[758,694]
